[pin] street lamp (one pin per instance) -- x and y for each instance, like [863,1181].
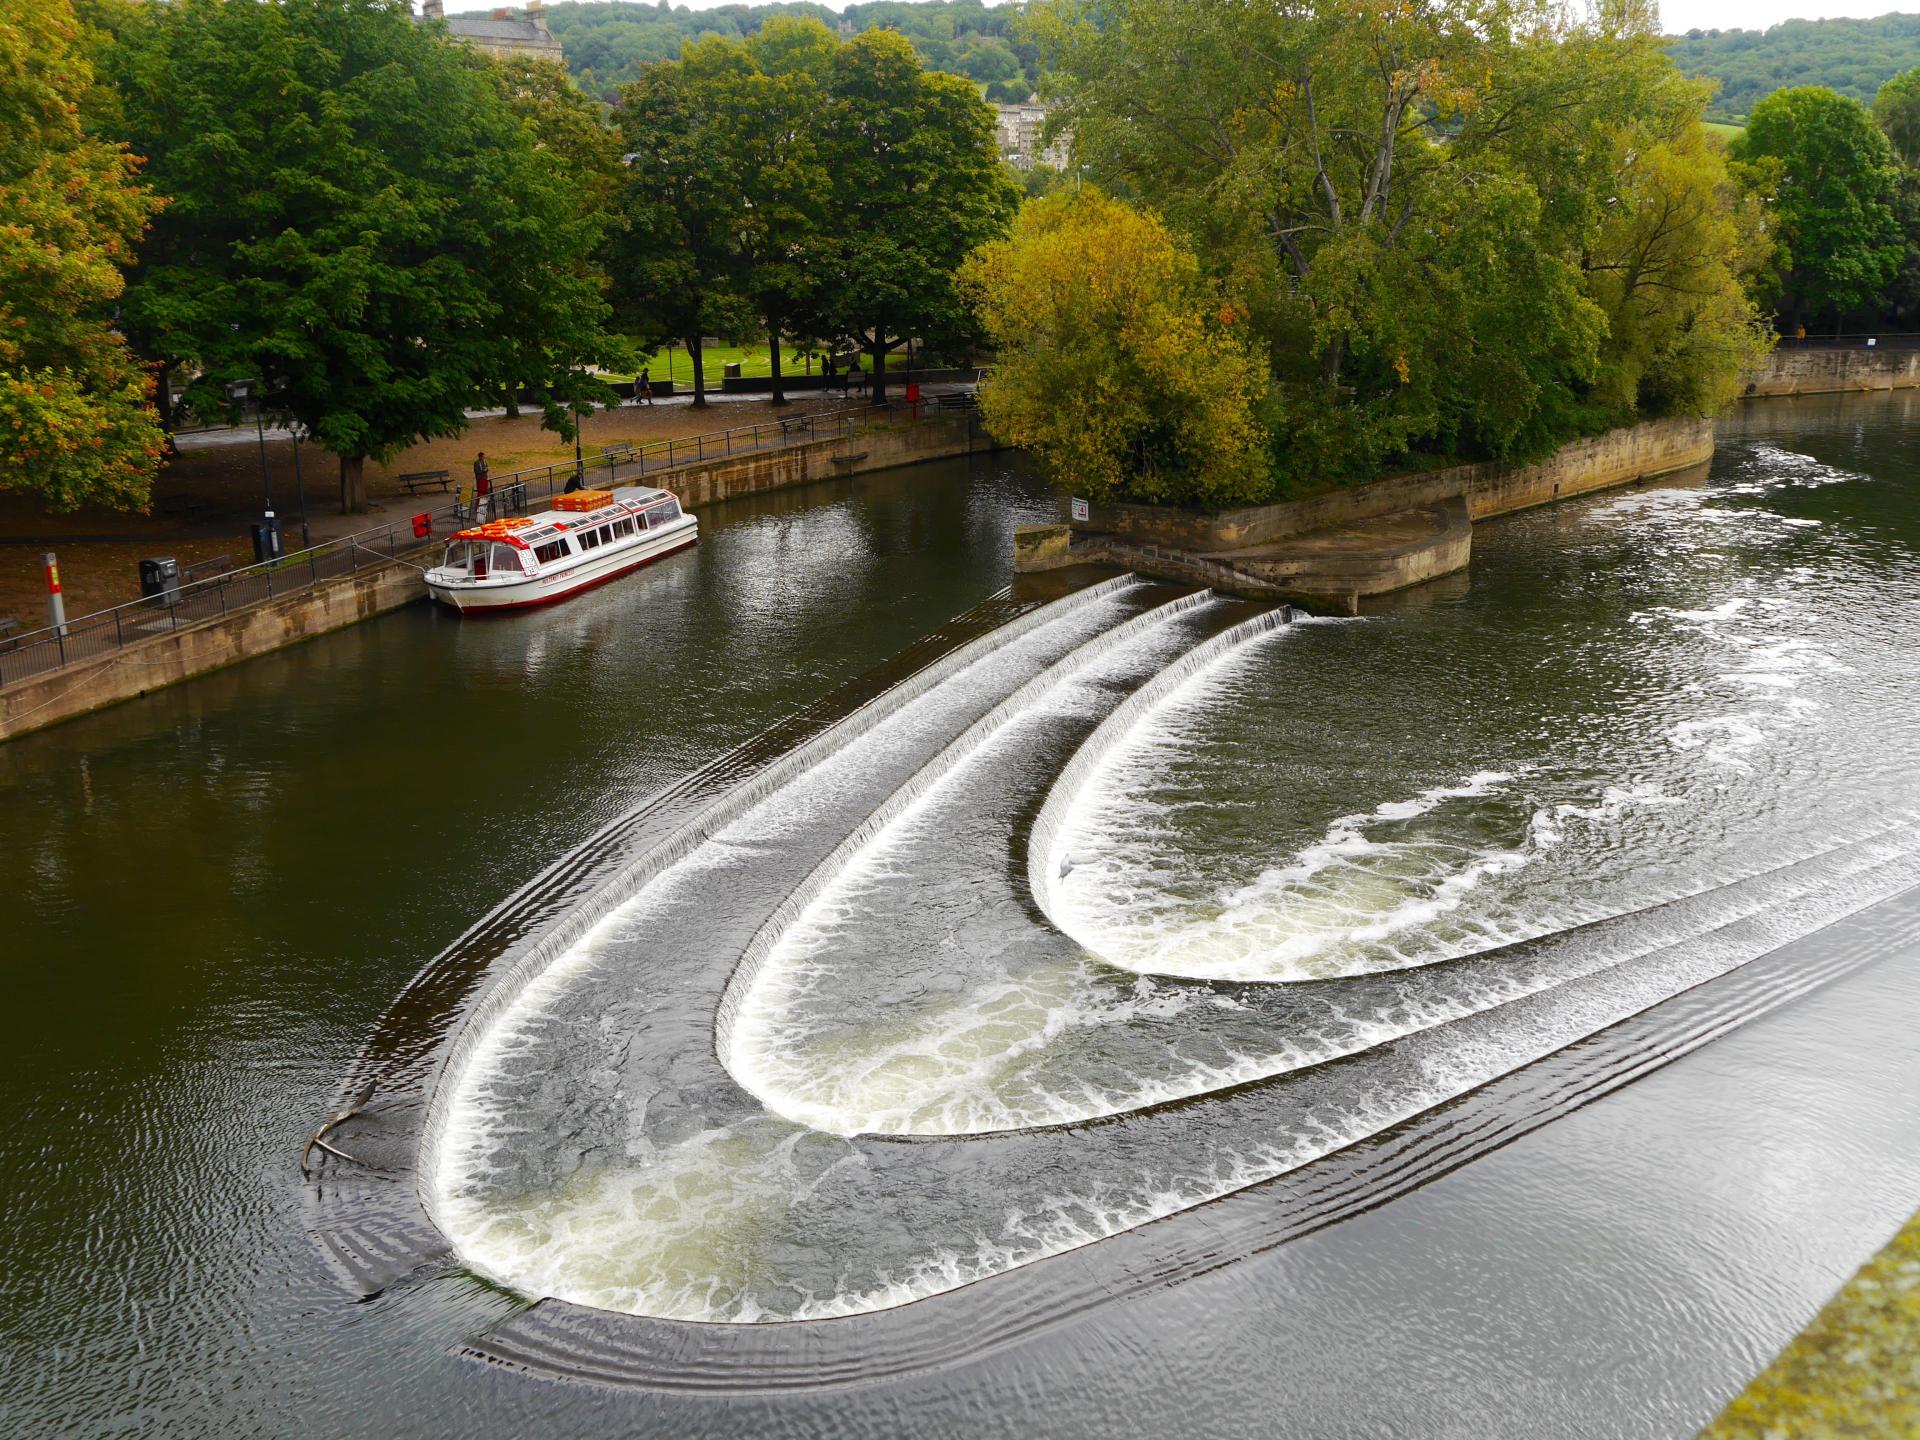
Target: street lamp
[239,391]
[299,481]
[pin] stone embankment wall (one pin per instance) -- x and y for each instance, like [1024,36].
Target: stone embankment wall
[1619,457]
[180,655]
[936,438]
[1824,369]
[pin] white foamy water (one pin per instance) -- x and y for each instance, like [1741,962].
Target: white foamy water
[1429,852]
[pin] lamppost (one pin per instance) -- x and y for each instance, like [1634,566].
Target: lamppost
[237,392]
[299,481]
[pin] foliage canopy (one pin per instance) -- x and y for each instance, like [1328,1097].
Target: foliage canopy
[1463,228]
[76,425]
[1120,364]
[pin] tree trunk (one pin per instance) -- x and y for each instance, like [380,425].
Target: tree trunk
[879,395]
[699,373]
[513,402]
[353,485]
[773,351]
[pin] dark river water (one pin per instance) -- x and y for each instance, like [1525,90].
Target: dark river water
[1133,922]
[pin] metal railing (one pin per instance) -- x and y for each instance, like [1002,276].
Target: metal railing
[37,651]
[1866,339]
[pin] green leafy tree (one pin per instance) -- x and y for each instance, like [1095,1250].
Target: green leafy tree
[570,136]
[76,423]
[1120,364]
[1896,110]
[1832,183]
[1419,206]
[358,217]
[917,184]
[672,262]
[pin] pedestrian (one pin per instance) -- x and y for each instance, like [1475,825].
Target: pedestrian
[645,389]
[482,487]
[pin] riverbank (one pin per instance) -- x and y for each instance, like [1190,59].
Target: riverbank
[1333,550]
[1815,369]
[1854,1371]
[227,639]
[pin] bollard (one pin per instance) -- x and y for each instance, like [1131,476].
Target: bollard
[56,602]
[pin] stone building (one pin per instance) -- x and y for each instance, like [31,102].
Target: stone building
[1021,128]
[504,33]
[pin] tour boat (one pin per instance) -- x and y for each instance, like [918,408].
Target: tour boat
[587,539]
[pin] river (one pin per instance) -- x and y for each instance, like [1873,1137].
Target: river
[1142,900]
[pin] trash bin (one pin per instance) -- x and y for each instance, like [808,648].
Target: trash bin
[160,579]
[730,370]
[266,539]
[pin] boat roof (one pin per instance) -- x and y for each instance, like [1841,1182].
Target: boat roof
[523,532]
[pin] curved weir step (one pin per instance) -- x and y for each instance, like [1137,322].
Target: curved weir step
[370,1226]
[557,1340]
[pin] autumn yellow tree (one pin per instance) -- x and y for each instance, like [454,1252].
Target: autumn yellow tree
[1120,364]
[76,423]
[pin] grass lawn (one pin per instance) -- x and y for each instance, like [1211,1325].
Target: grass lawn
[754,360]
[1722,129]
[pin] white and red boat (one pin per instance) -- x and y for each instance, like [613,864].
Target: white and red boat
[587,539]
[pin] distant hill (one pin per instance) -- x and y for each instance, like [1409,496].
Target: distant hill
[1855,57]
[607,43]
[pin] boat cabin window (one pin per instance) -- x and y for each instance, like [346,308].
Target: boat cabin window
[505,557]
[551,551]
[606,534]
[623,527]
[589,539]
[459,556]
[667,510]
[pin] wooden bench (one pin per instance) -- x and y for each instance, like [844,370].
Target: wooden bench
[963,401]
[789,424]
[180,507]
[9,629]
[219,565]
[427,480]
[621,451]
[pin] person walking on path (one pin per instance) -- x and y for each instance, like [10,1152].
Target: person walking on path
[482,487]
[644,390]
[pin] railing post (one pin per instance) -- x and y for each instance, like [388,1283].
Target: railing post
[118,638]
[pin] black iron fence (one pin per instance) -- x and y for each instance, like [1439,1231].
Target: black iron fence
[104,631]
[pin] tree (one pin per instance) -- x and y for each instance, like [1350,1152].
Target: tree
[1896,110]
[672,265]
[1120,365]
[917,184]
[567,134]
[76,423]
[1412,202]
[1831,187]
[358,218]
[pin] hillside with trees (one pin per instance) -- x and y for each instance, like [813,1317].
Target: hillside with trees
[608,43]
[1853,57]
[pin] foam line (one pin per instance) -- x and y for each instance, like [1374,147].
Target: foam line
[539,953]
[1043,861]
[895,806]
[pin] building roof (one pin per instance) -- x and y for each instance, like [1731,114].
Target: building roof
[488,29]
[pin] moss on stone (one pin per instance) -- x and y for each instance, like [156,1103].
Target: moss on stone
[1855,1371]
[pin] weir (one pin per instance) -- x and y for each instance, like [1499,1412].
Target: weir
[1079,930]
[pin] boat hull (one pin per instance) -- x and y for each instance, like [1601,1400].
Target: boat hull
[536,591]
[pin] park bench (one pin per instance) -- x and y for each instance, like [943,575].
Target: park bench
[621,451]
[790,425]
[9,632]
[180,507]
[219,565]
[427,480]
[962,401]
